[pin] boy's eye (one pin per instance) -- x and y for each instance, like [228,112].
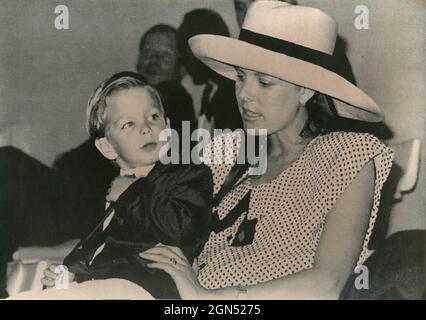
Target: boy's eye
[128,125]
[154,117]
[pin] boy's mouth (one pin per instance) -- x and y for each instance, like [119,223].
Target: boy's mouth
[149,146]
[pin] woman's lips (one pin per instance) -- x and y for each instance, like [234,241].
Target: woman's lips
[250,115]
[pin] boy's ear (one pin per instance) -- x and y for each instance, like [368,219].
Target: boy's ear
[305,95]
[167,123]
[104,147]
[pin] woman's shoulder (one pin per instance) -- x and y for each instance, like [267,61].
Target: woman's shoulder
[352,144]
[343,136]
[348,152]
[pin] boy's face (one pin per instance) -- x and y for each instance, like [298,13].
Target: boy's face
[134,123]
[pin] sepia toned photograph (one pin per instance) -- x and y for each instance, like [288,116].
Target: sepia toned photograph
[212,150]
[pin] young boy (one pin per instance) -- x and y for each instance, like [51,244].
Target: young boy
[149,203]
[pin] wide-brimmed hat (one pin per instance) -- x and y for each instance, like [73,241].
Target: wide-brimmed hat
[292,43]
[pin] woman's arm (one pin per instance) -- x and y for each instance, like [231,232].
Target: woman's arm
[340,246]
[338,250]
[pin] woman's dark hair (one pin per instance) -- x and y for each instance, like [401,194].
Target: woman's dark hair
[321,116]
[323,119]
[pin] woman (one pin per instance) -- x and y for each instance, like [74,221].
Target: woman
[298,230]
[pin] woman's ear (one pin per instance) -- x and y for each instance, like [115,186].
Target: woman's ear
[104,147]
[305,95]
[167,122]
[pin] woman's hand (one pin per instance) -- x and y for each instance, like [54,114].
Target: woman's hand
[56,274]
[172,261]
[118,186]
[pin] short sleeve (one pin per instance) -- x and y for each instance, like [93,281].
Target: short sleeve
[354,151]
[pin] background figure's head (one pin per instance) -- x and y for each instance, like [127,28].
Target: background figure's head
[125,116]
[198,21]
[158,58]
[241,7]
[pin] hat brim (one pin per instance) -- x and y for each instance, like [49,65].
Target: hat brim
[222,54]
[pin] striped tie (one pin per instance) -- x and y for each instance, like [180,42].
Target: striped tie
[135,173]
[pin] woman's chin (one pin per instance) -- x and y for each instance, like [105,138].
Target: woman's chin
[253,125]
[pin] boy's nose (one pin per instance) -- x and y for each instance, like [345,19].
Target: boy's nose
[145,130]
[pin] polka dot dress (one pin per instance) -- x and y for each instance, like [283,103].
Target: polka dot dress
[290,210]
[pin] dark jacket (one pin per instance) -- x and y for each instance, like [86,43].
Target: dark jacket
[86,175]
[172,205]
[178,104]
[223,107]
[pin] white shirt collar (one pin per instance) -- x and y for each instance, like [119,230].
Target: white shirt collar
[137,172]
[214,89]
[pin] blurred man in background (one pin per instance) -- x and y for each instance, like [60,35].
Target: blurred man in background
[159,61]
[217,108]
[158,58]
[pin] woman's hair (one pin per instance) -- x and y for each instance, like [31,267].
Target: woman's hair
[97,105]
[323,119]
[321,116]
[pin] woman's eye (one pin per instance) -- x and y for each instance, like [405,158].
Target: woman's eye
[240,75]
[264,82]
[128,125]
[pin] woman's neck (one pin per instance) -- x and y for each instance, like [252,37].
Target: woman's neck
[284,148]
[289,141]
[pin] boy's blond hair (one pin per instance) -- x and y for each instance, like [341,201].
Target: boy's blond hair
[96,107]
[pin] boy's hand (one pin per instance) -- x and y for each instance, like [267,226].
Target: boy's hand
[56,273]
[118,186]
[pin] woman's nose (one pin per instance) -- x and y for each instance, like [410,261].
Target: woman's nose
[245,89]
